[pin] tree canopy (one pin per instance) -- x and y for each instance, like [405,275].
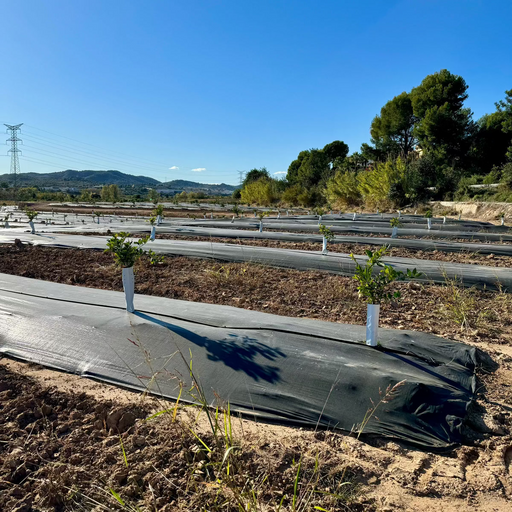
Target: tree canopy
[423,144]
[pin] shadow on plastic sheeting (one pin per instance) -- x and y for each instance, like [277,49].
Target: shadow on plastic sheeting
[237,352]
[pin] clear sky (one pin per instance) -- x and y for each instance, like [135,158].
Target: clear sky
[143,86]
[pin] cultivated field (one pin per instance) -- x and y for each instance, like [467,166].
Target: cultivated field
[182,417]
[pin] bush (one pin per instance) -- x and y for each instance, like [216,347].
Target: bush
[262,192]
[377,185]
[342,190]
[126,252]
[506,175]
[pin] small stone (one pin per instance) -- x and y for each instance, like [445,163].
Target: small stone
[46,409]
[139,441]
[62,429]
[126,421]
[121,476]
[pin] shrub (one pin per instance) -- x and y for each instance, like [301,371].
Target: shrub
[126,252]
[342,189]
[326,232]
[373,287]
[378,185]
[262,192]
[31,214]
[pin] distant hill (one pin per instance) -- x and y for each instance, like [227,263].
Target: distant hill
[80,179]
[192,186]
[84,179]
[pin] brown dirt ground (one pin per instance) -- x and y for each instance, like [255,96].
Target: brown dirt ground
[60,448]
[63,450]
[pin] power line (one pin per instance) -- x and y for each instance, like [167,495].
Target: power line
[75,153]
[88,157]
[15,163]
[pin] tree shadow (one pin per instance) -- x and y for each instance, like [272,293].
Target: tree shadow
[236,352]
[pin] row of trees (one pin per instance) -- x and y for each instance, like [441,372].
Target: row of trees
[424,143]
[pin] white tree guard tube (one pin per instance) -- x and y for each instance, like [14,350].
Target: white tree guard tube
[319,219]
[233,219]
[324,245]
[32,227]
[444,220]
[354,217]
[211,215]
[158,220]
[153,233]
[399,214]
[129,288]
[287,213]
[255,215]
[372,324]
[429,223]
[278,215]
[460,215]
[261,226]
[502,221]
[6,225]
[394,232]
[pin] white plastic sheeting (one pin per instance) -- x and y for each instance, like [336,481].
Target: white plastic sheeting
[337,263]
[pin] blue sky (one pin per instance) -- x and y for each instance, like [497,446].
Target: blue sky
[228,85]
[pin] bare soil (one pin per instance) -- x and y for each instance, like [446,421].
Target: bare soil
[68,450]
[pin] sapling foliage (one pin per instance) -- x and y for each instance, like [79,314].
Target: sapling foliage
[395,222]
[152,220]
[326,232]
[126,252]
[373,286]
[428,214]
[155,258]
[31,214]
[236,210]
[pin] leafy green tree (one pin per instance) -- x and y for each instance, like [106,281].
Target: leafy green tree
[153,195]
[314,168]
[292,175]
[443,126]
[336,150]
[255,175]
[393,129]
[491,142]
[505,107]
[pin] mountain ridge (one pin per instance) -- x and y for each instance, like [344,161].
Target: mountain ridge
[87,178]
